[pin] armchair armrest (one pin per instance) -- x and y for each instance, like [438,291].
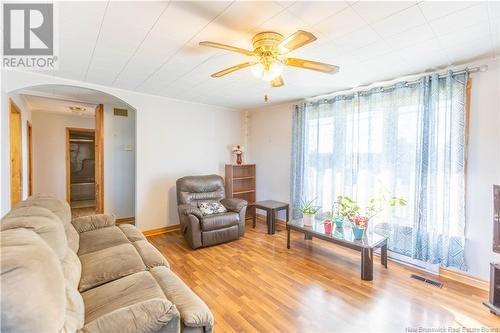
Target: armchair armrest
[153,315]
[187,209]
[234,204]
[93,222]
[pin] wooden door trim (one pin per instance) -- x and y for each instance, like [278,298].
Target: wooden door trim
[99,157]
[29,137]
[68,158]
[13,108]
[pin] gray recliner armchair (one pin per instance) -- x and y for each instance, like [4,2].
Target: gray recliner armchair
[205,230]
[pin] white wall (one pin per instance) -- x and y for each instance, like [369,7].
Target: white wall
[49,150]
[270,148]
[119,163]
[173,138]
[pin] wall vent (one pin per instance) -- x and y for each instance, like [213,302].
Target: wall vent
[429,281]
[120,112]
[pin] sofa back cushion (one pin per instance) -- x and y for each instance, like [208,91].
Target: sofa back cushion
[33,294]
[43,222]
[61,209]
[194,189]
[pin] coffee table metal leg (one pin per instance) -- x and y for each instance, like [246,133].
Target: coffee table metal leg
[273,221]
[383,255]
[287,238]
[308,237]
[287,213]
[367,264]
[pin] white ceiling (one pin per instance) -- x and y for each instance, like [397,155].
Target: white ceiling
[152,47]
[60,106]
[58,99]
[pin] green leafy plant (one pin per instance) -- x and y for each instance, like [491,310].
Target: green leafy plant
[307,207]
[350,210]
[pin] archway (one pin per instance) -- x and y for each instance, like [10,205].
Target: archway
[40,105]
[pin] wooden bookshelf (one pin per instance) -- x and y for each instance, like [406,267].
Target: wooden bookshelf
[240,182]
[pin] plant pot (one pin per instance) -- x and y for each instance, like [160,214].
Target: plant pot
[308,219]
[339,221]
[328,226]
[358,233]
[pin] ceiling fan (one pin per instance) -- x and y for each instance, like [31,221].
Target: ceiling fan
[270,50]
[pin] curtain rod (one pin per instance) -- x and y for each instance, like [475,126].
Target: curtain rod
[386,84]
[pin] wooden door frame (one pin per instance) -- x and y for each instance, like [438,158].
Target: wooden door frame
[99,158]
[13,108]
[29,141]
[68,157]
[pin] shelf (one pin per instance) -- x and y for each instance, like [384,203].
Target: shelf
[242,192]
[242,178]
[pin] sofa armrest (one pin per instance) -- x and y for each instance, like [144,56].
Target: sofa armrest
[193,311]
[93,222]
[154,315]
[234,204]
[187,209]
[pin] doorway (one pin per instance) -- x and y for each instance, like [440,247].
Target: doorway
[80,169]
[16,154]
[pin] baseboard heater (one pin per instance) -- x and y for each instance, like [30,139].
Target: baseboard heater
[429,281]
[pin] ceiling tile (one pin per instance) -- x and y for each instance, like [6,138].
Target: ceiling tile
[465,35]
[373,11]
[411,36]
[436,9]
[470,51]
[340,24]
[78,29]
[313,12]
[460,19]
[118,41]
[400,22]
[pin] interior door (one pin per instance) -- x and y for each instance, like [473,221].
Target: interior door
[29,133]
[16,154]
[99,158]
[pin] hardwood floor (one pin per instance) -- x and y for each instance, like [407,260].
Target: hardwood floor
[256,285]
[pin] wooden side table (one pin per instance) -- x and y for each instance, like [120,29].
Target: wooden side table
[271,207]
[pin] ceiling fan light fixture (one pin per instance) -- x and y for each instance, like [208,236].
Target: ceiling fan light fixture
[272,71]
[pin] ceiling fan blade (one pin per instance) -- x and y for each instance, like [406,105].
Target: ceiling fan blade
[227,47]
[313,65]
[296,40]
[232,69]
[277,82]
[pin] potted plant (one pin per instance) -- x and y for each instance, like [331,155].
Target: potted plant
[351,211]
[309,212]
[327,223]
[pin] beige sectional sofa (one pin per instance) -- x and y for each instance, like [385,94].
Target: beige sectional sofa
[88,275]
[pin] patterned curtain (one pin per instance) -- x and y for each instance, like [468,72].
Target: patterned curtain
[407,140]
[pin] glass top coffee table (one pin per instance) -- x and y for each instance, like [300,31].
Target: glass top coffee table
[344,237]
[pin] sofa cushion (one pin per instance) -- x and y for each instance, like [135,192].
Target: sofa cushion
[109,264]
[149,254]
[194,312]
[72,269]
[75,309]
[133,234]
[43,222]
[219,220]
[99,239]
[33,287]
[93,222]
[120,293]
[61,209]
[154,315]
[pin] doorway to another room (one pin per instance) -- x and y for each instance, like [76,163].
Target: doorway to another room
[81,170]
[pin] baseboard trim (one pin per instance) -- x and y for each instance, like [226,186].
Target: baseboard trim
[464,278]
[162,230]
[129,220]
